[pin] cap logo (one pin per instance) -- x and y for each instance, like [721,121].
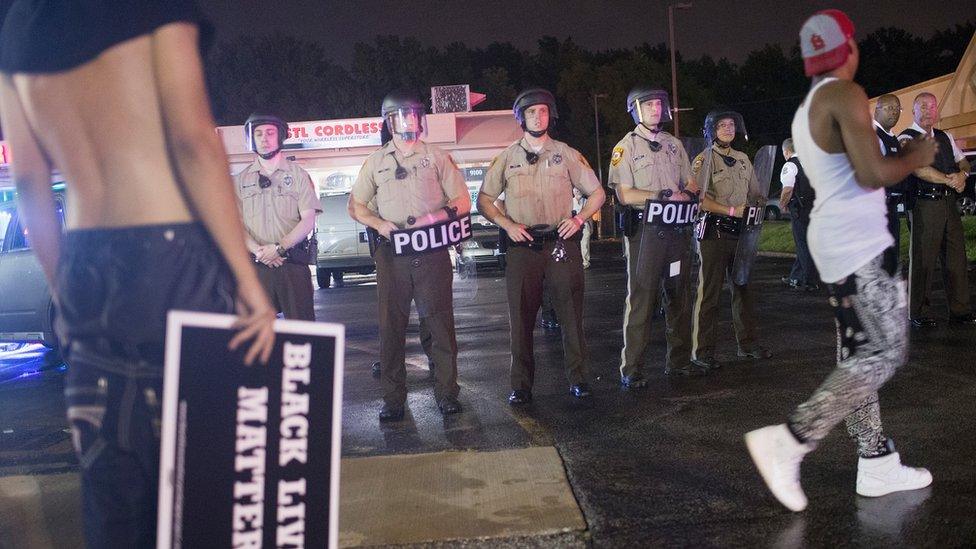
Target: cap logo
[817,42]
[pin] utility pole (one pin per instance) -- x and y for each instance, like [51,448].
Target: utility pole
[674,67]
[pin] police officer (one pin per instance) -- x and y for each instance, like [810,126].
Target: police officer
[537,175]
[729,189]
[936,226]
[414,184]
[426,343]
[278,204]
[798,195]
[886,114]
[651,164]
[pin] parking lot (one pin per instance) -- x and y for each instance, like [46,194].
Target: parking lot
[662,467]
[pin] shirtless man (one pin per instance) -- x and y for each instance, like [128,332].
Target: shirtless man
[152,225]
[833,134]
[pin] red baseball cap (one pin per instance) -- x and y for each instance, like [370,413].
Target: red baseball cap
[823,41]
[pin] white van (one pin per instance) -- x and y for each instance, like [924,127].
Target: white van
[343,247]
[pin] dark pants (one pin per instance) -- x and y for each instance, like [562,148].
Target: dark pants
[548,309]
[115,287]
[526,272]
[644,289]
[937,234]
[894,224]
[717,256]
[290,289]
[427,280]
[804,271]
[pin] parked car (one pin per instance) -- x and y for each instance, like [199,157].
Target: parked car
[481,252]
[773,211]
[26,308]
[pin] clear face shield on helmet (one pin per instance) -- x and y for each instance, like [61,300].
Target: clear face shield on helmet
[409,123]
[651,111]
[724,126]
[535,119]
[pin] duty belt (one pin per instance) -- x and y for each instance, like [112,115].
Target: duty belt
[932,192]
[540,237]
[713,225]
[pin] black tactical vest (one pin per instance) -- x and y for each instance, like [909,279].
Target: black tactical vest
[803,194]
[892,148]
[944,160]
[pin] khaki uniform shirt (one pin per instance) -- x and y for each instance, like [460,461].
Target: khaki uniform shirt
[731,186]
[432,181]
[269,214]
[540,193]
[633,163]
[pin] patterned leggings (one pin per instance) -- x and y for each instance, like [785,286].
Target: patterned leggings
[872,342]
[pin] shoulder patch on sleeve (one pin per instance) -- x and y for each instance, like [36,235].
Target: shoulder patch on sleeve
[617,156]
[697,164]
[582,160]
[449,160]
[496,160]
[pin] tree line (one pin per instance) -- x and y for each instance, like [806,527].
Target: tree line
[297,78]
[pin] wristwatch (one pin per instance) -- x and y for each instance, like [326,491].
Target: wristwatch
[282,252]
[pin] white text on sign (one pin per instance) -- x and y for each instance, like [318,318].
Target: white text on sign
[670,213]
[431,237]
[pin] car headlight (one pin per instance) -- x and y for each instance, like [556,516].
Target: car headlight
[470,244]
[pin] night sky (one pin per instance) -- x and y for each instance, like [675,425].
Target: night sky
[720,28]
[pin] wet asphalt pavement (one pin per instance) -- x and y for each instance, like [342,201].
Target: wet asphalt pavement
[665,466]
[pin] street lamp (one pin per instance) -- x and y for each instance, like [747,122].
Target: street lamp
[674,68]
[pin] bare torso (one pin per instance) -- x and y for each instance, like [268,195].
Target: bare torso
[112,154]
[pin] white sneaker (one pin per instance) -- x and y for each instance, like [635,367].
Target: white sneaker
[777,455]
[884,475]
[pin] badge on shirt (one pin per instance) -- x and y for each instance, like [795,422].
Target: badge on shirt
[618,154]
[425,162]
[288,180]
[557,159]
[672,148]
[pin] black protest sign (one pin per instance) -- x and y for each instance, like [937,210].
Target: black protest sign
[431,237]
[250,454]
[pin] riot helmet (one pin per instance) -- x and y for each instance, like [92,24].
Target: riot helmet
[260,119]
[639,95]
[710,129]
[529,98]
[404,115]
